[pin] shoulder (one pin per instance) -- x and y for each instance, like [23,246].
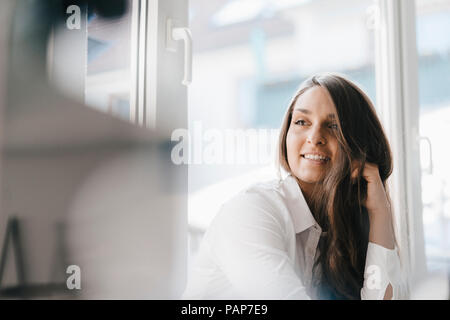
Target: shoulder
[262,201]
[262,194]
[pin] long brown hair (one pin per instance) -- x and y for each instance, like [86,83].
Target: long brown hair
[337,200]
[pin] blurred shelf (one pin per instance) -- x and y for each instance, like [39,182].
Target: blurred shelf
[50,122]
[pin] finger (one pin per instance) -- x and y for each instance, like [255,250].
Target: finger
[371,172]
[355,169]
[354,173]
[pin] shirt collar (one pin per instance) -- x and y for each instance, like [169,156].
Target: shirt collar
[296,203]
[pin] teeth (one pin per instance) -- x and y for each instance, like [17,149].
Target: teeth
[315,157]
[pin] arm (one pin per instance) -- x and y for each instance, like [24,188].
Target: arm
[382,262]
[381,232]
[248,244]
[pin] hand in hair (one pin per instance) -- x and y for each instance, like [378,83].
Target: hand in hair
[378,207]
[377,201]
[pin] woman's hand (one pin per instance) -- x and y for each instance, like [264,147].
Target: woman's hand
[378,207]
[376,201]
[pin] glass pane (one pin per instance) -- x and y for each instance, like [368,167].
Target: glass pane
[108,64]
[433,42]
[249,58]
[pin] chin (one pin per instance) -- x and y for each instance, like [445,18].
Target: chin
[308,178]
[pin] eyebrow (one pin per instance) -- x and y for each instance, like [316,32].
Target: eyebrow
[306,111]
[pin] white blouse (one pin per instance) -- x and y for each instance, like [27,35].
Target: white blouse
[262,245]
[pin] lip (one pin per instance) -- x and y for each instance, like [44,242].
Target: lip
[318,162]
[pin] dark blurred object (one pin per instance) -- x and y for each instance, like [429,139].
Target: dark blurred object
[24,290]
[12,238]
[32,24]
[103,8]
[108,8]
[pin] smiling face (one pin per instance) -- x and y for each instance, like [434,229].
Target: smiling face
[311,141]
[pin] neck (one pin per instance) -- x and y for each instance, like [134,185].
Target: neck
[307,190]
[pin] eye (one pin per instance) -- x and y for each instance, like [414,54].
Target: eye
[333,126]
[300,122]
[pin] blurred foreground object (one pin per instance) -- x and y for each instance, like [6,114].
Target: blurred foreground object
[79,187]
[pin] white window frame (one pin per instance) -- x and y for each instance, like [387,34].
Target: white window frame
[138,42]
[158,97]
[398,102]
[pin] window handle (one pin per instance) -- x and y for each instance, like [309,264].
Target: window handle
[176,34]
[429,170]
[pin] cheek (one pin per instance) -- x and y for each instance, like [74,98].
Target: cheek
[293,145]
[333,146]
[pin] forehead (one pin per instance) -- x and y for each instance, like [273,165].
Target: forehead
[316,101]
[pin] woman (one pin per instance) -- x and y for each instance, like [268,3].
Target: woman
[325,230]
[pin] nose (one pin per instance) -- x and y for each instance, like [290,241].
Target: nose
[316,137]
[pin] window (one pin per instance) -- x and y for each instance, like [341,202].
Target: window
[433,44]
[108,78]
[127,66]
